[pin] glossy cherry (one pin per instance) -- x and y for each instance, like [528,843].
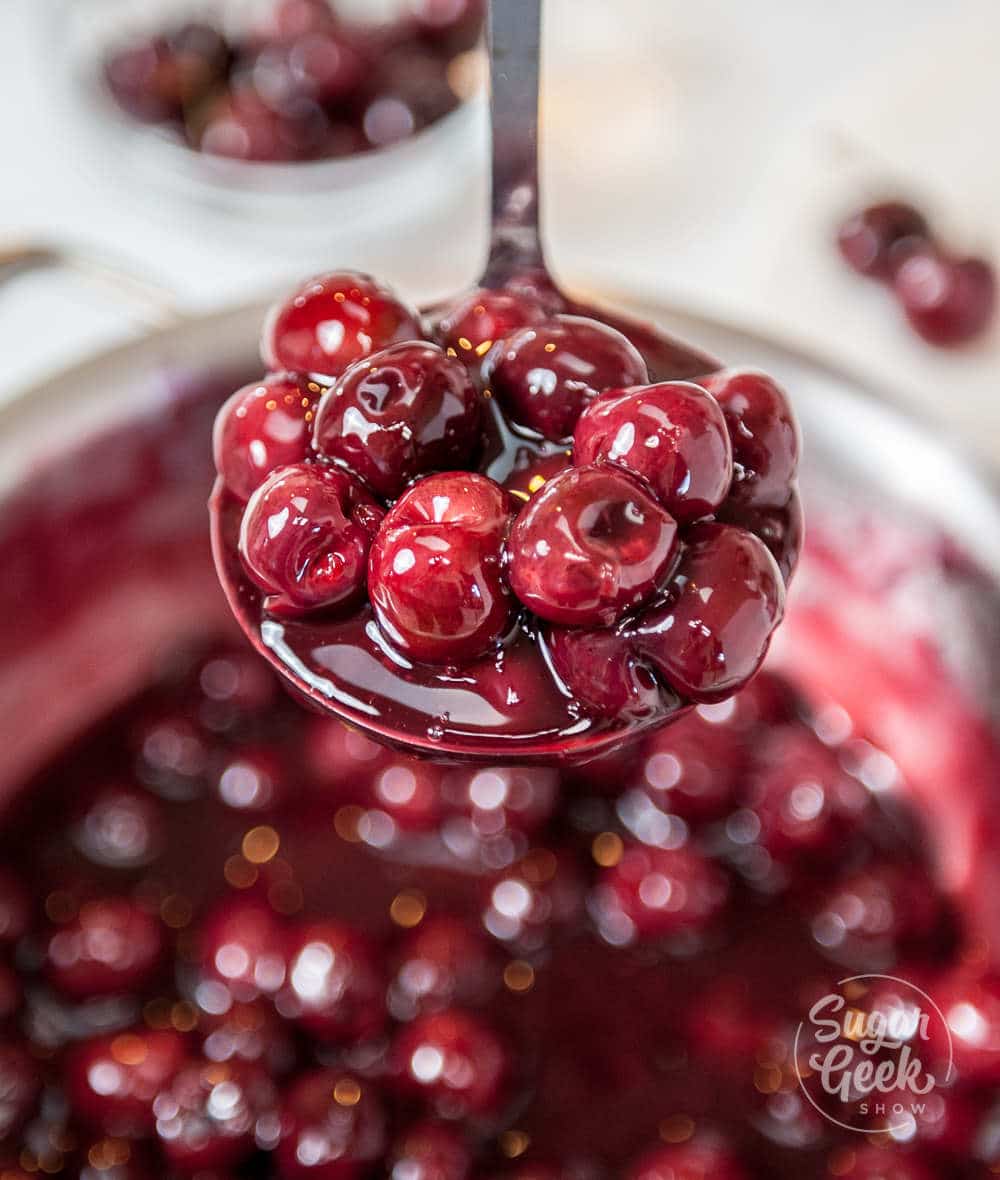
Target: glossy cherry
[948,302]
[333,321]
[263,426]
[671,436]
[727,597]
[764,434]
[243,944]
[430,1150]
[870,240]
[454,1062]
[436,577]
[444,961]
[335,988]
[781,529]
[470,328]
[305,538]
[397,414]
[110,946]
[602,671]
[545,375]
[332,1127]
[590,547]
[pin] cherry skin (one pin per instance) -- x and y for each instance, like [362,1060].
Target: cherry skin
[263,426]
[332,1128]
[947,302]
[20,1088]
[305,538]
[15,909]
[111,946]
[672,436]
[206,1116]
[600,668]
[397,414]
[880,1163]
[112,1081]
[545,375]
[242,944]
[688,1161]
[335,989]
[657,893]
[869,241]
[430,1150]
[591,546]
[435,575]
[764,434]
[454,1062]
[444,961]
[333,321]
[470,328]
[709,645]
[781,529]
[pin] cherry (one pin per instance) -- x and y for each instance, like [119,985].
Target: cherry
[534,899]
[207,1115]
[255,779]
[454,1062]
[20,1088]
[110,946]
[870,240]
[341,759]
[591,546]
[879,1163]
[319,63]
[430,1150]
[601,670]
[332,1128]
[695,1160]
[727,597]
[397,414]
[435,575]
[658,892]
[781,529]
[333,321]
[15,908]
[112,1081]
[239,125]
[246,1032]
[764,434]
[672,436]
[947,302]
[970,1002]
[263,426]
[242,944]
[305,538]
[470,328]
[121,829]
[408,790]
[546,374]
[335,989]
[498,799]
[443,961]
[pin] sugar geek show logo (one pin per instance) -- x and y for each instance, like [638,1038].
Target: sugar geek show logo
[869,1055]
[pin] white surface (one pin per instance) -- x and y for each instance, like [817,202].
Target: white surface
[696,151]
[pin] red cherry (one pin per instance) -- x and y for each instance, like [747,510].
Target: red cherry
[947,302]
[443,961]
[696,1160]
[15,908]
[110,946]
[591,546]
[332,1128]
[430,1150]
[120,829]
[672,436]
[333,321]
[870,239]
[207,1115]
[454,1062]
[545,375]
[764,434]
[658,892]
[970,1002]
[255,779]
[601,670]
[397,414]
[435,576]
[261,427]
[408,790]
[305,538]
[242,944]
[727,597]
[335,989]
[470,328]
[20,1088]
[112,1081]
[880,1163]
[240,125]
[781,529]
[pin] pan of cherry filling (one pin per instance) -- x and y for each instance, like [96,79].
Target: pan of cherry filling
[242,939]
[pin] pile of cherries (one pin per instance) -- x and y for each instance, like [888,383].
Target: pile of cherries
[511,474]
[238,940]
[948,301]
[305,84]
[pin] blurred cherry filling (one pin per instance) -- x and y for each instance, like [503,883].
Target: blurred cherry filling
[515,494]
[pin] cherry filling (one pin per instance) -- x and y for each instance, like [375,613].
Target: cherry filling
[509,533]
